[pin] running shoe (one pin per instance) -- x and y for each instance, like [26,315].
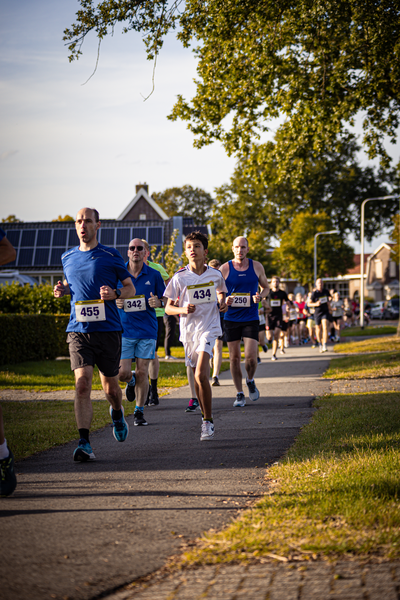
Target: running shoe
[286,342]
[215,381]
[120,426]
[153,398]
[138,418]
[282,351]
[240,400]
[324,348]
[258,360]
[193,405]
[169,357]
[130,391]
[320,348]
[83,452]
[207,431]
[254,394]
[8,480]
[273,357]
[314,346]
[265,348]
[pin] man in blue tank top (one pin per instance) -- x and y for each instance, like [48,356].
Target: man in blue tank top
[243,278]
[92,272]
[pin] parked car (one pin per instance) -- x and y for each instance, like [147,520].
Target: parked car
[378,310]
[392,309]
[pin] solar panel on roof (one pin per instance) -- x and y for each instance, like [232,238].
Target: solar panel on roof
[13,237]
[155,235]
[43,237]
[139,232]
[60,237]
[107,236]
[41,257]
[73,239]
[28,238]
[56,254]
[123,235]
[25,257]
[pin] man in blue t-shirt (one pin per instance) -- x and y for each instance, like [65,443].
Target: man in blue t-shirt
[92,273]
[139,320]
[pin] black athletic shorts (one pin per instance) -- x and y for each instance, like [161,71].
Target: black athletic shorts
[235,331]
[319,318]
[336,319]
[101,348]
[276,322]
[261,326]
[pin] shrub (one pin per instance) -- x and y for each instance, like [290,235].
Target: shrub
[39,299]
[32,337]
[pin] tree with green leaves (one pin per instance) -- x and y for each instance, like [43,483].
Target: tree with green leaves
[186,202]
[332,182]
[295,255]
[311,64]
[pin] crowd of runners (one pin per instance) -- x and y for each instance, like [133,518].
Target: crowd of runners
[119,309]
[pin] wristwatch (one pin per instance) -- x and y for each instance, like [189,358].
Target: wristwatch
[118,292]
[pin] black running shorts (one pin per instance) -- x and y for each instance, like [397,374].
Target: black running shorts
[101,348]
[276,323]
[235,331]
[319,318]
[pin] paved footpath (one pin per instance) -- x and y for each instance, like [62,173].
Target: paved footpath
[81,531]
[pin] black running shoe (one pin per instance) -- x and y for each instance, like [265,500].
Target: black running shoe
[215,381]
[138,419]
[265,348]
[153,398]
[8,480]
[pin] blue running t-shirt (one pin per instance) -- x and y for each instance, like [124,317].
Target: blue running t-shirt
[85,273]
[242,282]
[143,325]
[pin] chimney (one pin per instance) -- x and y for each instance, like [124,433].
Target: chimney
[142,185]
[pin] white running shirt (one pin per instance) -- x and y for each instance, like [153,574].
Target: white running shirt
[206,317]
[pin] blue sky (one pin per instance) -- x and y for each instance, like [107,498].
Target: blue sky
[64,144]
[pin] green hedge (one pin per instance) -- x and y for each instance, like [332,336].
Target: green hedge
[32,337]
[26,300]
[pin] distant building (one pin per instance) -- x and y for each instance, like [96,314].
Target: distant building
[40,245]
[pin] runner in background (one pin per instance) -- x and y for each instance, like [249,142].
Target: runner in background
[320,301]
[337,314]
[154,365]
[243,278]
[263,310]
[217,352]
[293,330]
[310,323]
[301,319]
[277,299]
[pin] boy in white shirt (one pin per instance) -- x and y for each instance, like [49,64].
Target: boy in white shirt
[197,288]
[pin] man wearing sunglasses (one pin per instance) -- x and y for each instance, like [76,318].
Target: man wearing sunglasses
[139,320]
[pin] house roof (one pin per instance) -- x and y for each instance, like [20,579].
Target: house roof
[356,270]
[142,193]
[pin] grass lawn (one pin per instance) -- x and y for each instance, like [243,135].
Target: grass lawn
[381,359]
[335,495]
[372,330]
[380,344]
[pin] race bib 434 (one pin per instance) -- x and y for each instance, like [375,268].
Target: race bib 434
[202,293]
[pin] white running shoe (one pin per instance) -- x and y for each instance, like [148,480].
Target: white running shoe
[273,357]
[207,431]
[254,394]
[324,348]
[320,348]
[240,400]
[286,342]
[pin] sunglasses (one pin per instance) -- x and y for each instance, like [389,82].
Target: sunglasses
[139,248]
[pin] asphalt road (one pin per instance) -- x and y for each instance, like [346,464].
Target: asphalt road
[75,531]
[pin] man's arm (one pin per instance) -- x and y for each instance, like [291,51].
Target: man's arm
[171,309]
[127,291]
[262,280]
[7,251]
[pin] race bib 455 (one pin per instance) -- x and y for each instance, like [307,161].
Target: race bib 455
[90,310]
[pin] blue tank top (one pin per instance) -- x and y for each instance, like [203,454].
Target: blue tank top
[242,282]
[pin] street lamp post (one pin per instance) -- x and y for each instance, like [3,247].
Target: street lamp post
[362,253]
[315,248]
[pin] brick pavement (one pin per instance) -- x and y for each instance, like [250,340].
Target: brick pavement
[271,581]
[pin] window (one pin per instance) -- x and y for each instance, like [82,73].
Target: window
[142,217]
[392,268]
[378,269]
